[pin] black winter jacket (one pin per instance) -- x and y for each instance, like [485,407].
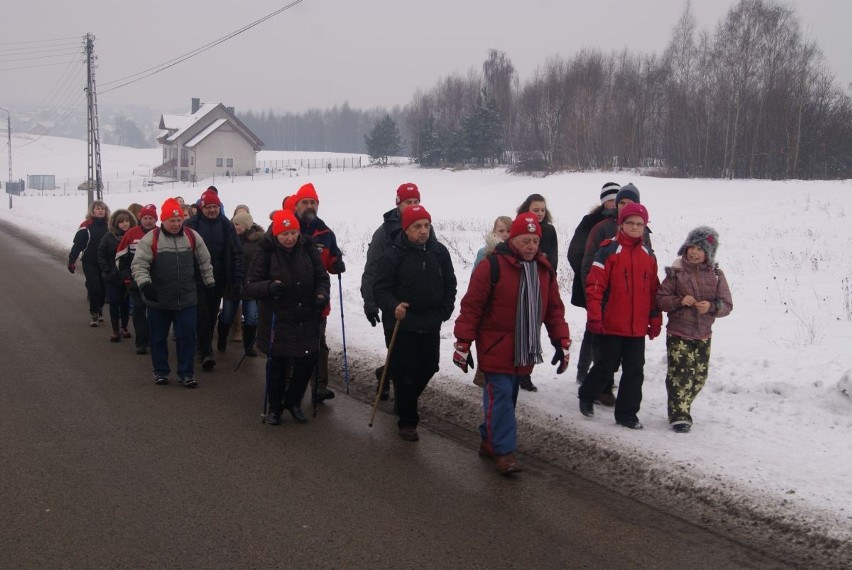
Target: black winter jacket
[296,314]
[422,276]
[87,239]
[577,248]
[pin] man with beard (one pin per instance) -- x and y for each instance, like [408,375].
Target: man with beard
[307,205]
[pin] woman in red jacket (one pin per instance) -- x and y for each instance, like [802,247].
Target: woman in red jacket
[620,305]
[503,311]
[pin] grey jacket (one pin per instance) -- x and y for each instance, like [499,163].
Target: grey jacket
[174,271]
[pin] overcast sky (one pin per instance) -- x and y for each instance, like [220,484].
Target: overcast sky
[324,52]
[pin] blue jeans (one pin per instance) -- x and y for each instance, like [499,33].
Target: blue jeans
[229,311]
[499,397]
[159,322]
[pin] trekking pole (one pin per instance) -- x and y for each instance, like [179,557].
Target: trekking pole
[343,333]
[268,368]
[384,372]
[315,386]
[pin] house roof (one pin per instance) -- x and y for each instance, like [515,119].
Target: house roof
[203,134]
[173,127]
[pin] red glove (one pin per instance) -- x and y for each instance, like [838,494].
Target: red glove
[461,355]
[561,356]
[655,325]
[72,267]
[594,327]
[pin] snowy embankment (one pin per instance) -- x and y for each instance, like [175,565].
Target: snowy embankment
[769,451]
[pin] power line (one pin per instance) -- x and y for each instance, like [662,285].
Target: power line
[33,66]
[38,41]
[181,58]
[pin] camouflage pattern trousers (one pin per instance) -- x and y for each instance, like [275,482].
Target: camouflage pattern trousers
[687,372]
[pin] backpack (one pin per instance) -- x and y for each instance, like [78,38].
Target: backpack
[188,233]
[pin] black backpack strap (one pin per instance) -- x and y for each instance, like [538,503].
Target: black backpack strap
[495,269]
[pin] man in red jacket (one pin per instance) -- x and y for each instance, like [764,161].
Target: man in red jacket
[502,311]
[621,294]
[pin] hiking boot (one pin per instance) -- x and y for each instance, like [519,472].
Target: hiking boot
[526,384]
[189,382]
[631,424]
[325,395]
[507,464]
[208,362]
[408,434]
[587,409]
[161,380]
[605,399]
[297,414]
[681,427]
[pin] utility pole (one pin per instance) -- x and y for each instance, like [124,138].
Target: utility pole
[95,182]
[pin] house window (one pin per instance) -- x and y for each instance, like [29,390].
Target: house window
[219,162]
[192,160]
[230,163]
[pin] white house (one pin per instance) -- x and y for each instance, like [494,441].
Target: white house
[209,141]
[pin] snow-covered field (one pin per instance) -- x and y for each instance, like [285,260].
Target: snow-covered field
[774,422]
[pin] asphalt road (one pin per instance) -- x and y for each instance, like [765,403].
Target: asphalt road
[101,468]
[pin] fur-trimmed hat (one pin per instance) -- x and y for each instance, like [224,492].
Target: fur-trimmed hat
[628,191]
[412,214]
[609,191]
[704,237]
[525,223]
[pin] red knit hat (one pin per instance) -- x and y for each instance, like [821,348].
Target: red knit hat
[289,203]
[306,192]
[412,214]
[407,191]
[525,223]
[209,197]
[283,220]
[633,209]
[149,210]
[171,209]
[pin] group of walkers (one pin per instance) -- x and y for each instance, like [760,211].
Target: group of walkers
[198,270]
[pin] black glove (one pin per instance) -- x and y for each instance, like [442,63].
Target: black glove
[561,356]
[276,289]
[338,266]
[149,292]
[373,316]
[321,301]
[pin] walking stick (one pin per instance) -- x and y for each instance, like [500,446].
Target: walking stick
[384,372]
[315,386]
[268,367]
[343,333]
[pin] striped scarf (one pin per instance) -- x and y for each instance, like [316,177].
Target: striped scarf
[528,317]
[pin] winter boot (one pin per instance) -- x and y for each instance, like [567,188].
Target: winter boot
[115,336]
[526,384]
[222,341]
[249,333]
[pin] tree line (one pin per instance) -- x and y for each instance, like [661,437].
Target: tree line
[752,99]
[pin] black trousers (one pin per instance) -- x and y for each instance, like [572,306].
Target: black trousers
[208,313]
[95,287]
[629,353]
[140,320]
[414,360]
[288,379]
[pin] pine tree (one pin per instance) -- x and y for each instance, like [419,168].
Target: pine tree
[429,153]
[383,141]
[482,132]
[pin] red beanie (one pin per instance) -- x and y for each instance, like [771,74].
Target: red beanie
[412,214]
[170,209]
[209,197]
[525,223]
[306,192]
[283,220]
[633,209]
[149,210]
[289,203]
[407,191]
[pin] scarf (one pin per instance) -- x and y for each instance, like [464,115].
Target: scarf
[528,317]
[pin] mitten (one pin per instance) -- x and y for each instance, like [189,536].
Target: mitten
[655,325]
[561,356]
[149,292]
[461,355]
[338,266]
[72,267]
[373,317]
